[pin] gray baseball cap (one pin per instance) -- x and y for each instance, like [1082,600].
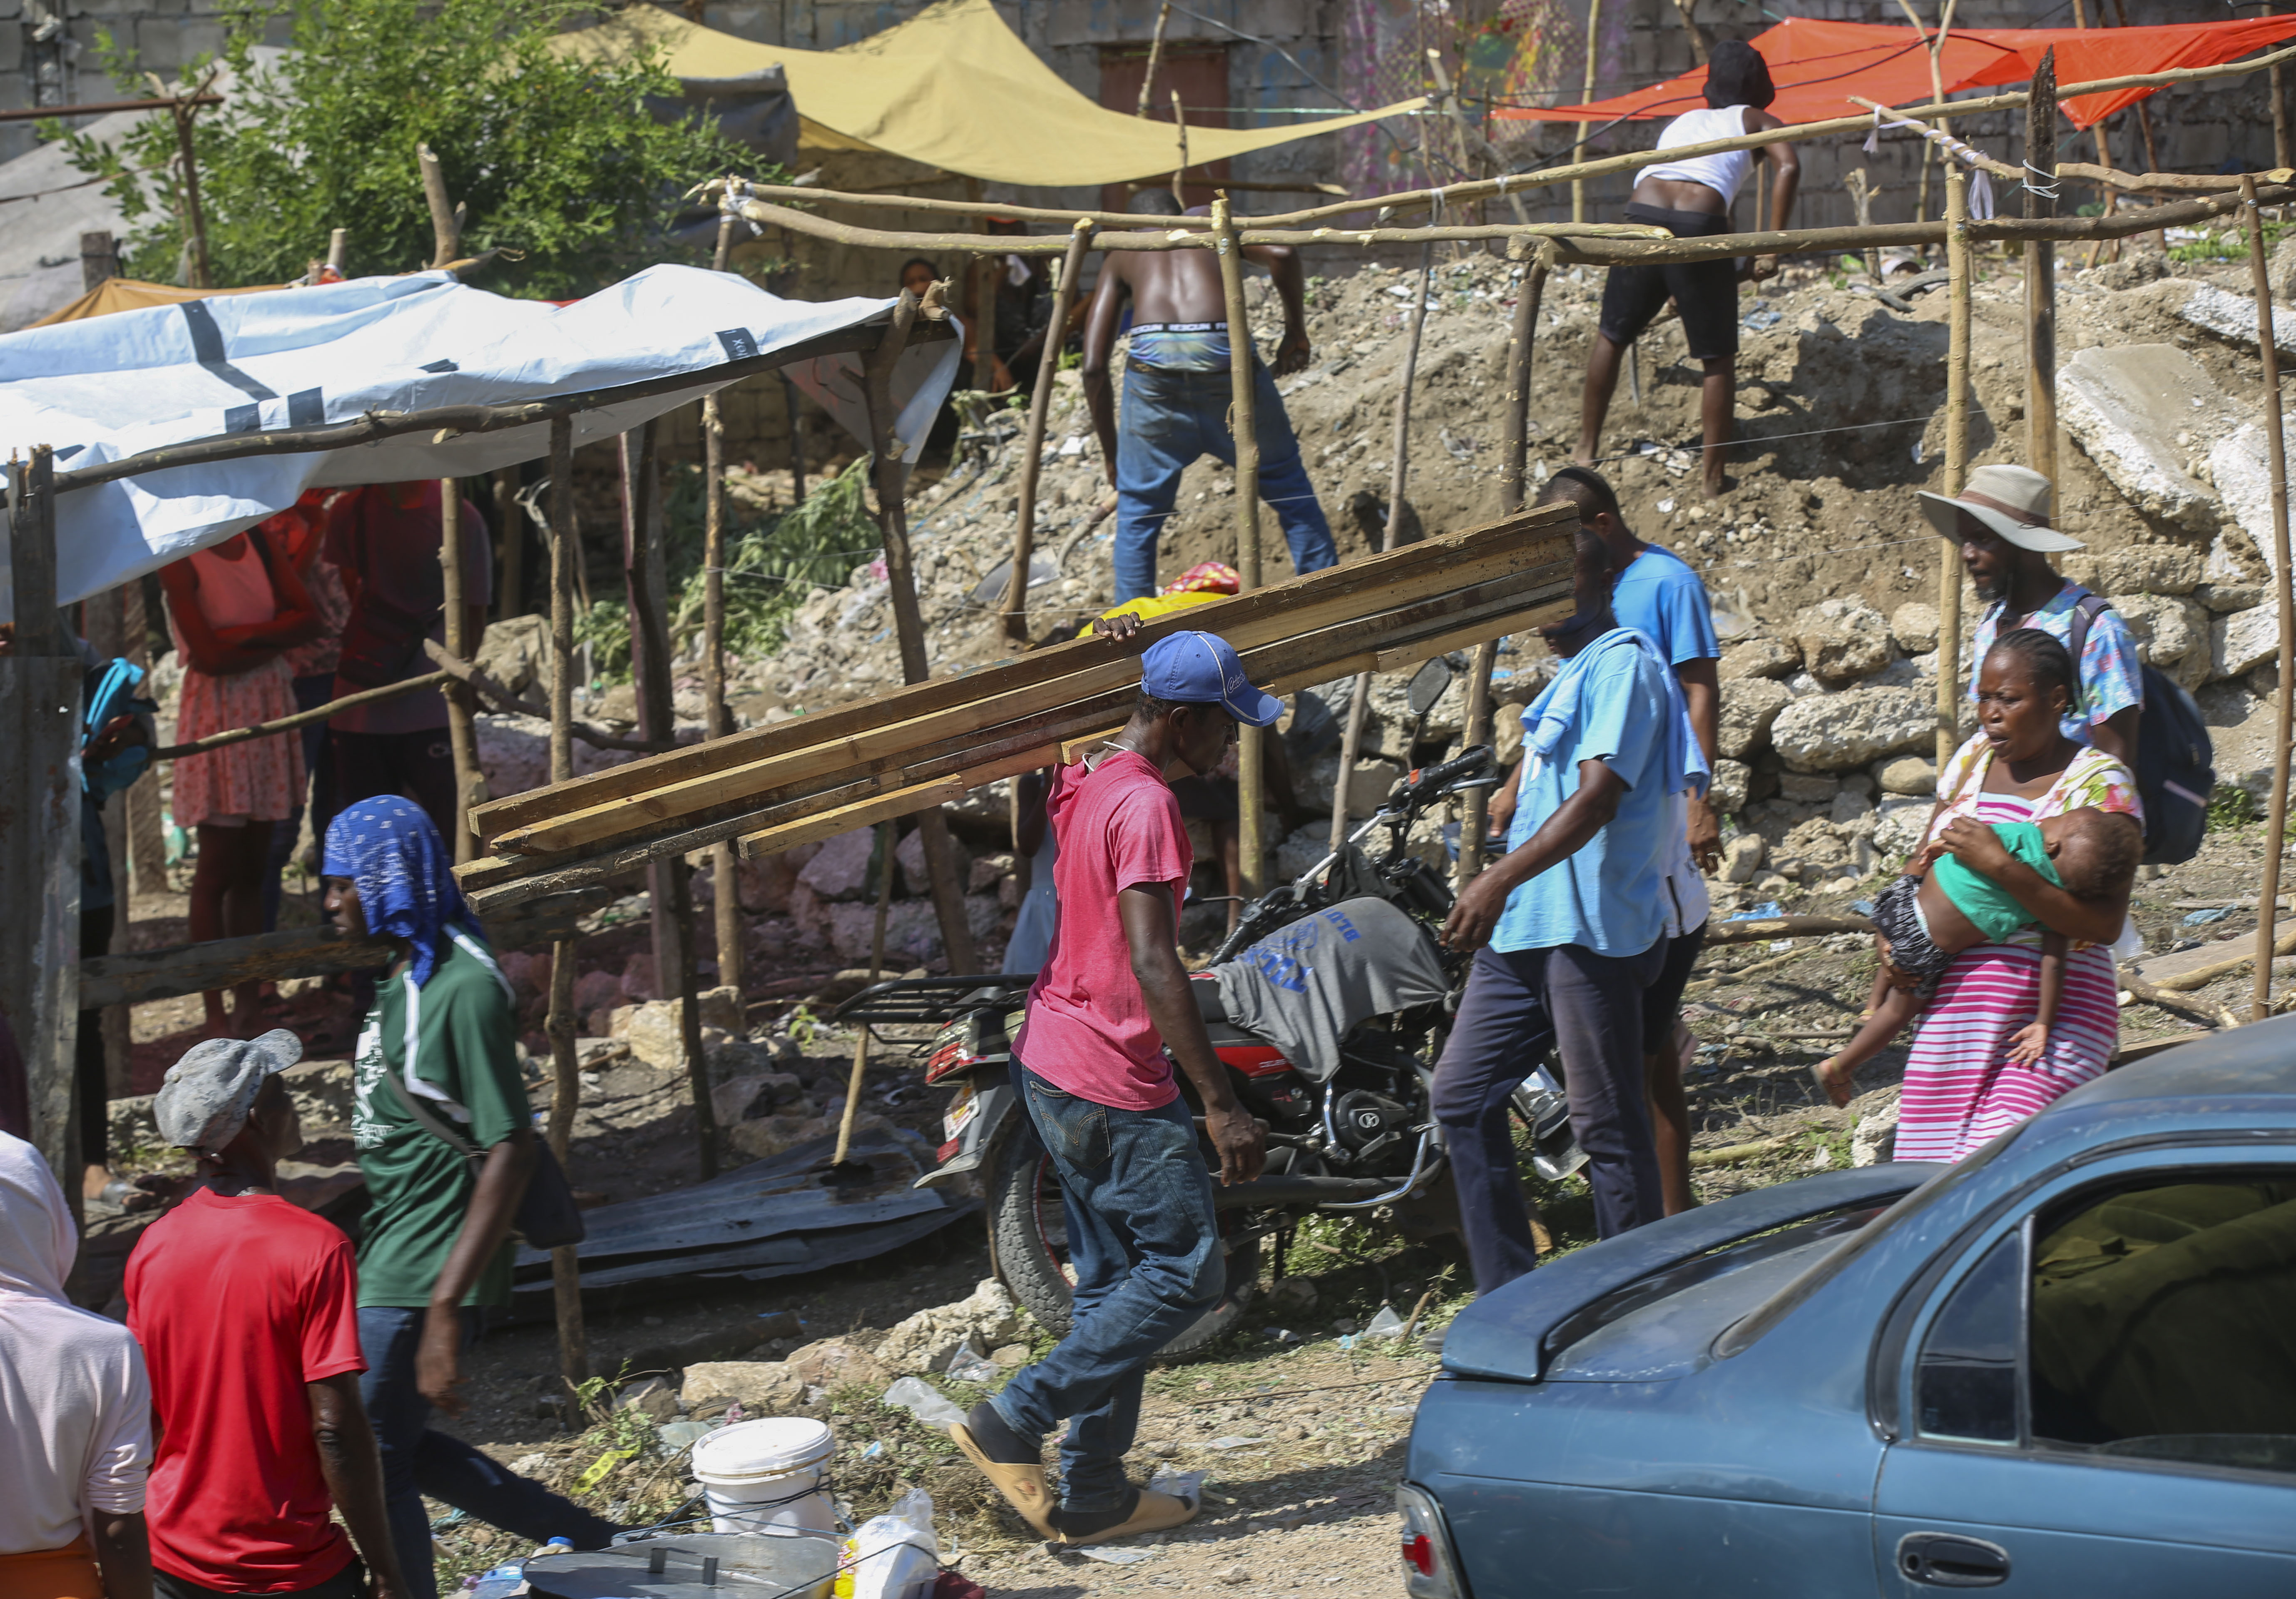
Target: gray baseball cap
[204,1102]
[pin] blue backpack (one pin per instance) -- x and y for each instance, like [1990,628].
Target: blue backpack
[110,692]
[2176,764]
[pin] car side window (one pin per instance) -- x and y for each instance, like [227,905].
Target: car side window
[1966,1382]
[2163,1322]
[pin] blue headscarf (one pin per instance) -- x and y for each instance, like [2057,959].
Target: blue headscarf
[404,872]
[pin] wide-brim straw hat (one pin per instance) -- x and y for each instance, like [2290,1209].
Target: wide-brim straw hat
[2013,501]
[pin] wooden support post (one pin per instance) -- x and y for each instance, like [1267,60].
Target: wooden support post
[1578,147]
[1155,51]
[1032,438]
[195,219]
[99,258]
[1515,454]
[890,474]
[797,439]
[724,875]
[1957,462]
[887,836]
[2280,149]
[461,730]
[669,892]
[39,848]
[1398,479]
[1243,422]
[565,1071]
[1180,173]
[445,221]
[986,267]
[2041,278]
[509,544]
[2284,601]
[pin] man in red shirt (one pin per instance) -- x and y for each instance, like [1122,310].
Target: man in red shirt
[246,1308]
[1112,998]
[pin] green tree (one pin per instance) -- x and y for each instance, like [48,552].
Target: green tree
[556,157]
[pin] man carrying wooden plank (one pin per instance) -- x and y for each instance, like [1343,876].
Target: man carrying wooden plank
[1177,394]
[1090,1063]
[1569,929]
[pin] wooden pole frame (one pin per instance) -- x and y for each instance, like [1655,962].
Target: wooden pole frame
[1243,425]
[1956,463]
[2041,277]
[461,729]
[1155,53]
[1579,144]
[1032,438]
[724,869]
[195,219]
[558,1027]
[2283,600]
[1399,477]
[1515,486]
[889,474]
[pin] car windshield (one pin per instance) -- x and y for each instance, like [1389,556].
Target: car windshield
[1837,1259]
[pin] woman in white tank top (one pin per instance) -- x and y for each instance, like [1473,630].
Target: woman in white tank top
[1692,197]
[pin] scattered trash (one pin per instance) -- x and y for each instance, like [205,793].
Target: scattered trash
[1283,1335]
[1758,320]
[1917,452]
[1102,1552]
[970,1365]
[1073,445]
[1759,913]
[597,1469]
[893,1556]
[1180,1485]
[1233,1441]
[1863,907]
[682,1435]
[1385,1324]
[1666,507]
[1780,946]
[876,1451]
[2203,918]
[923,1401]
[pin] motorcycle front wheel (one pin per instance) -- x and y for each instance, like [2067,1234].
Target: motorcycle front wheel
[1030,1238]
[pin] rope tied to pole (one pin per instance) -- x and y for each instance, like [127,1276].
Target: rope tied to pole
[2040,191]
[1980,187]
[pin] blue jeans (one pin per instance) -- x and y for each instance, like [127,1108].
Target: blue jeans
[1170,418]
[417,1461]
[1143,1247]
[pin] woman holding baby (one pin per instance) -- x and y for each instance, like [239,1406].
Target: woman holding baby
[2007,952]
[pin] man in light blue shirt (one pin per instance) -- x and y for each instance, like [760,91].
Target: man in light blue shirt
[1570,929]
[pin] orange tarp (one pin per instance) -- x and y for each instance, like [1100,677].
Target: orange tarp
[1817,66]
[133,294]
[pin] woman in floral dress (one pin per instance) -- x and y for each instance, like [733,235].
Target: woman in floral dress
[237,609]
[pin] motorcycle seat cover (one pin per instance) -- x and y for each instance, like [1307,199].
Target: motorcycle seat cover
[1304,987]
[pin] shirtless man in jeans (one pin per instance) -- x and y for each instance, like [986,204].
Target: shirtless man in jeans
[1176,393]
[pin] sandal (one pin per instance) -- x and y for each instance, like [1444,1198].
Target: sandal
[1021,1483]
[1149,1511]
[1838,1091]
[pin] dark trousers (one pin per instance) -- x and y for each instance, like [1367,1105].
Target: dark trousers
[1143,1247]
[319,767]
[417,765]
[417,1461]
[1591,1006]
[349,1582]
[93,1093]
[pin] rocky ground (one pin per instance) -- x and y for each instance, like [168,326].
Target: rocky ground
[1824,580]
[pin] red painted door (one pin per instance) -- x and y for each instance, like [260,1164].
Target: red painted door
[1200,73]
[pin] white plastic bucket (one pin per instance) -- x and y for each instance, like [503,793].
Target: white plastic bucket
[765,1476]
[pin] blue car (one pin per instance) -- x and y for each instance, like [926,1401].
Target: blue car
[2065,1366]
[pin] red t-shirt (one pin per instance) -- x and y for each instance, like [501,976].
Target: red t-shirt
[1118,827]
[238,1303]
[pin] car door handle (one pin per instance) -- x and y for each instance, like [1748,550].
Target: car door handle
[1946,1560]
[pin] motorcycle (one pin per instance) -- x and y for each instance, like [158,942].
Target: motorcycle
[1343,1087]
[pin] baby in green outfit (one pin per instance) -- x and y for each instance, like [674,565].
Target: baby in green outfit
[1941,907]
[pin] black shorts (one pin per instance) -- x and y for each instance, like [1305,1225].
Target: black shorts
[1663,1000]
[1706,292]
[1898,918]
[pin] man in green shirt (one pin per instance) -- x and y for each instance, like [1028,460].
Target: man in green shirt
[442,1036]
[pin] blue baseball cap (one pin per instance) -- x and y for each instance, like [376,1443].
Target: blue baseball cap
[1200,668]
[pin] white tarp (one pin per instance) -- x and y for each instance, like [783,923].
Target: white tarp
[110,387]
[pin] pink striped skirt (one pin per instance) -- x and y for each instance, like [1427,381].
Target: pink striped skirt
[1961,1088]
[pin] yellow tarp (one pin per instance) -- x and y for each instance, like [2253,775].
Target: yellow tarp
[133,294]
[955,88]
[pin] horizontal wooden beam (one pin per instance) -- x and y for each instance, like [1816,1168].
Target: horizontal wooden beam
[180,969]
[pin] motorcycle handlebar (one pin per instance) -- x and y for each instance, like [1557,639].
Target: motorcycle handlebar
[1471,761]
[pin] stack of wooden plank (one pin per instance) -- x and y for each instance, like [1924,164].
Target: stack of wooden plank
[774,788]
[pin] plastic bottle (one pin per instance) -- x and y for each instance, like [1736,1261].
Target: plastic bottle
[502,1582]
